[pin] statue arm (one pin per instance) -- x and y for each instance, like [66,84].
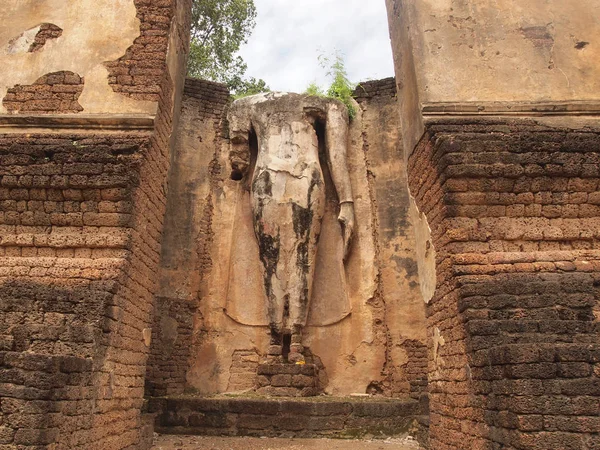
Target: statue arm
[336,137]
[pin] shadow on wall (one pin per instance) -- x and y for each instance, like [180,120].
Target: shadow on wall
[50,342]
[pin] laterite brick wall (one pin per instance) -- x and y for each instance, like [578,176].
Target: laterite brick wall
[66,221]
[514,324]
[53,93]
[81,218]
[138,74]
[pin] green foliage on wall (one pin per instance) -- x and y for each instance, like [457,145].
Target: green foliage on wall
[341,87]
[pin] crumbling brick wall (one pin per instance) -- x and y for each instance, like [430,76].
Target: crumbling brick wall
[514,211]
[48,31]
[398,292]
[172,331]
[368,90]
[54,93]
[138,74]
[81,215]
[66,218]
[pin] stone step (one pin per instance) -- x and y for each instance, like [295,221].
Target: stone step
[288,380]
[322,416]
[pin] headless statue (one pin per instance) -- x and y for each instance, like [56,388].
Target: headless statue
[288,197]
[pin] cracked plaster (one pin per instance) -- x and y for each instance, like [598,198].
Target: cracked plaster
[510,50]
[94,31]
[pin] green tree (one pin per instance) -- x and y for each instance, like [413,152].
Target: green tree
[219,28]
[245,87]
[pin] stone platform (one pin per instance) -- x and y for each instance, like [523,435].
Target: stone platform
[320,416]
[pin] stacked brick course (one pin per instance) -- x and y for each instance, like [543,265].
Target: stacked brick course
[276,417]
[289,380]
[54,93]
[243,370]
[172,333]
[515,221]
[47,31]
[80,224]
[67,204]
[138,74]
[376,88]
[415,370]
[213,97]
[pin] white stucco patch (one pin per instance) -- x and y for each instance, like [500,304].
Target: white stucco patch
[438,341]
[22,43]
[425,252]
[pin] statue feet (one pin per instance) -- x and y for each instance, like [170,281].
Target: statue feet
[295,356]
[286,347]
[275,350]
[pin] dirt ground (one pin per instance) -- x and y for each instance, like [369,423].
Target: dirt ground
[170,442]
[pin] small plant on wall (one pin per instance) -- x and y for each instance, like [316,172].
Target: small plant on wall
[341,87]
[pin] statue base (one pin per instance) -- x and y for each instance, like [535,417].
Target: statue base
[288,380]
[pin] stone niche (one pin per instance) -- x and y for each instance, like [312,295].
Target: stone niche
[366,321]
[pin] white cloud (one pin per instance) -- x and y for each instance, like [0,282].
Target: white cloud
[290,35]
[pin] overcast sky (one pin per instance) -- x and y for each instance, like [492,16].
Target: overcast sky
[290,35]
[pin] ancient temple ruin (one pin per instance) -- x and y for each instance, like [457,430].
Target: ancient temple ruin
[176,261]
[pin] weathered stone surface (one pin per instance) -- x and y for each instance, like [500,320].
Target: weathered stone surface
[287,193]
[548,60]
[210,252]
[334,417]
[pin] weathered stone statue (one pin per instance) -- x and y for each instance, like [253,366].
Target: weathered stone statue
[288,196]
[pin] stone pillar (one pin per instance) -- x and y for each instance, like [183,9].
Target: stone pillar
[503,160]
[89,101]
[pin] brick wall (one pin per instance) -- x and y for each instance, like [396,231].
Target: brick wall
[376,88]
[81,217]
[514,213]
[172,337]
[53,93]
[175,309]
[47,32]
[138,74]
[66,213]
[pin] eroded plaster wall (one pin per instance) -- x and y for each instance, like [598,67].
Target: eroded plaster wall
[506,50]
[81,215]
[399,281]
[101,41]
